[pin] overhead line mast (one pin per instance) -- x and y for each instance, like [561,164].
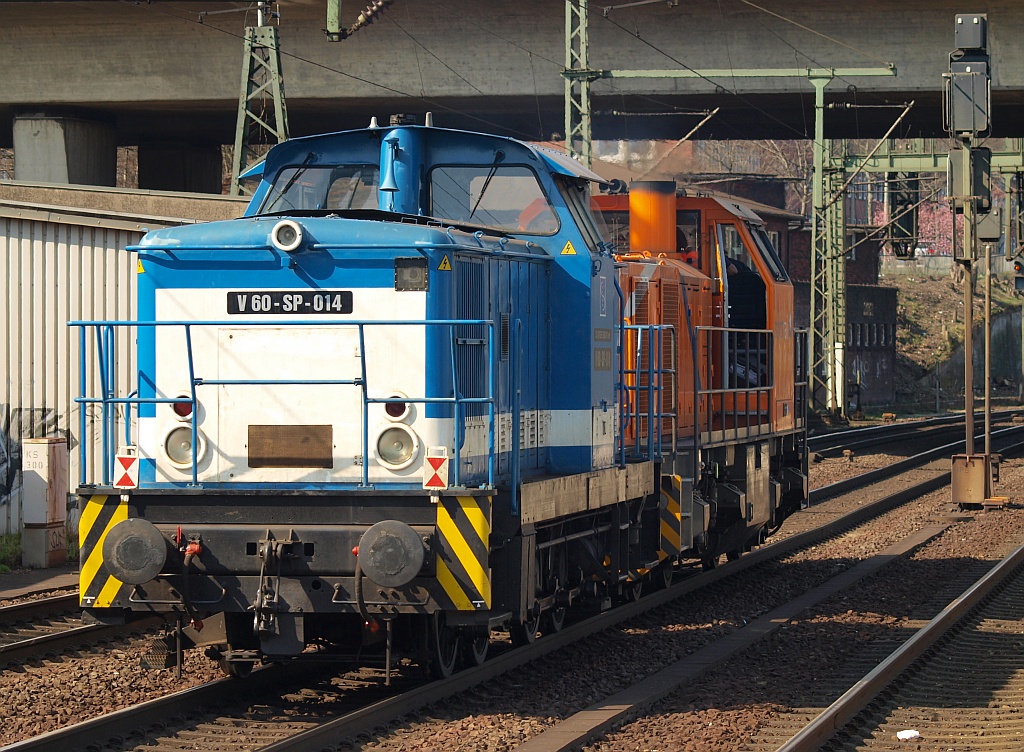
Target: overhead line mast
[258,126]
[827,339]
[262,114]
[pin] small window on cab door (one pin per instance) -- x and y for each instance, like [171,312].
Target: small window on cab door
[591,224]
[768,253]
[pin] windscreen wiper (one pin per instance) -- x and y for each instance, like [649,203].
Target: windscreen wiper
[498,156]
[291,181]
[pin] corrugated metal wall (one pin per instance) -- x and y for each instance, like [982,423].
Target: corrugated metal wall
[59,265]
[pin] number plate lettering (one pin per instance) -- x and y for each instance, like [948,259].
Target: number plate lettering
[290,301]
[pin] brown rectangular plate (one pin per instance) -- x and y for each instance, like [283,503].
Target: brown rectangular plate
[291,446]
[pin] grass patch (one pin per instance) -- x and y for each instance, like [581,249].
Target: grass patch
[72,547]
[10,551]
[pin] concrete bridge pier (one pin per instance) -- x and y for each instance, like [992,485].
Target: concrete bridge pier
[55,148]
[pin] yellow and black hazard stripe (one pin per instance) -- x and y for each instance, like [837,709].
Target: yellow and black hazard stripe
[671,491]
[96,586]
[463,535]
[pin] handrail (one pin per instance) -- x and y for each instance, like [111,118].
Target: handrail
[620,387]
[514,368]
[105,354]
[800,376]
[655,372]
[763,351]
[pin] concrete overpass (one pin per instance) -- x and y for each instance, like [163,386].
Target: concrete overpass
[165,75]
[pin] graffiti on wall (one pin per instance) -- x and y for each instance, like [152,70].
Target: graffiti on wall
[24,423]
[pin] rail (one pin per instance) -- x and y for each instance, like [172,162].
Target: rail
[108,401]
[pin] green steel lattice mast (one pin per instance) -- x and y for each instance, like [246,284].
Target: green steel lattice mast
[262,117]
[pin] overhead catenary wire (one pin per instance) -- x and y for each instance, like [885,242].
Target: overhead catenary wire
[817,64]
[679,142]
[813,31]
[707,79]
[534,54]
[426,49]
[842,190]
[736,94]
[153,7]
[892,220]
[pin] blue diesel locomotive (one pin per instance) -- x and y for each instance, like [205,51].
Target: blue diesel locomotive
[412,396]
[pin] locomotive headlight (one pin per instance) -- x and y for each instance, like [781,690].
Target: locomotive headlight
[178,446]
[286,235]
[397,446]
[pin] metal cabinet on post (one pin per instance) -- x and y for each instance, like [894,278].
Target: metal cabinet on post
[45,502]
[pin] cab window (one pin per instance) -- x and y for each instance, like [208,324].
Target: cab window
[590,222]
[687,232]
[506,197]
[688,235]
[354,188]
[768,252]
[617,228]
[745,290]
[322,187]
[737,258]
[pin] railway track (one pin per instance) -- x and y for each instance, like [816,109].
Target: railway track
[50,626]
[957,683]
[39,608]
[292,719]
[597,719]
[928,429]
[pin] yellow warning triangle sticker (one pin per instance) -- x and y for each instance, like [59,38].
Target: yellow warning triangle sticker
[568,250]
[445,265]
[139,268]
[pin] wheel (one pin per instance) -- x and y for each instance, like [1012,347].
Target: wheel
[665,574]
[733,555]
[235,669]
[633,590]
[443,646]
[553,621]
[708,563]
[474,646]
[525,632]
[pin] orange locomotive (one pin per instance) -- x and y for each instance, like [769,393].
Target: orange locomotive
[727,375]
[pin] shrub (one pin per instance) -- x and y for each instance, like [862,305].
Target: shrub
[72,546]
[10,550]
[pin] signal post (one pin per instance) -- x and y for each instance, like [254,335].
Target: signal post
[967,106]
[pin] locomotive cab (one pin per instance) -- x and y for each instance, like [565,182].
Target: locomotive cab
[741,431]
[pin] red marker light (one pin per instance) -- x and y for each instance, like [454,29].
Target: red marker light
[355,550]
[183,409]
[396,409]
